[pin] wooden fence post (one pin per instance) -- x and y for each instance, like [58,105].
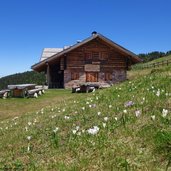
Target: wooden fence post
[157,64]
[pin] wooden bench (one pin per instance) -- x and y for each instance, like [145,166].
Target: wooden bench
[85,88]
[35,92]
[76,89]
[4,94]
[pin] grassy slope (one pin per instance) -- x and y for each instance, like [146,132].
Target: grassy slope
[124,142]
[12,107]
[160,59]
[138,66]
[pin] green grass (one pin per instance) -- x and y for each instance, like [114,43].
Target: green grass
[160,59]
[140,65]
[12,107]
[130,129]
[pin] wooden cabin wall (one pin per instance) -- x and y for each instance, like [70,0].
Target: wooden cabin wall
[98,57]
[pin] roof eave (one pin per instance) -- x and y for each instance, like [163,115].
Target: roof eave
[39,64]
[136,59]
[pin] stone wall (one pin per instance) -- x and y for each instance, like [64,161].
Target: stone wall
[68,83]
[117,76]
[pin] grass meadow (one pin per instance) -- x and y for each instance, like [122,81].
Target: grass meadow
[125,127]
[160,60]
[12,107]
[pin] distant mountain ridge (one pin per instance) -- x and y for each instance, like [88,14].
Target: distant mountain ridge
[22,78]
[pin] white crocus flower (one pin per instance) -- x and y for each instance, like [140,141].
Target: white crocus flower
[35,121]
[15,118]
[125,111]
[56,129]
[98,113]
[26,128]
[106,119]
[158,93]
[164,113]
[42,111]
[93,130]
[28,148]
[28,138]
[104,125]
[137,113]
[116,118]
[74,131]
[29,123]
[66,117]
[77,128]
[153,117]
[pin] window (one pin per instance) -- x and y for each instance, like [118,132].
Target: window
[108,76]
[95,55]
[88,56]
[91,77]
[104,56]
[74,75]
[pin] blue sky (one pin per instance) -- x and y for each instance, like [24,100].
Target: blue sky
[27,26]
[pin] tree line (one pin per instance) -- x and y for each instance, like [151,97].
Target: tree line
[153,55]
[28,77]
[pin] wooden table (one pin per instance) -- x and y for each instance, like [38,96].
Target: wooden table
[20,90]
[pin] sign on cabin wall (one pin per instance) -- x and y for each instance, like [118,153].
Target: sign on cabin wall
[92,68]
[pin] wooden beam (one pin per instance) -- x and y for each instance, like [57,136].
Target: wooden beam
[48,75]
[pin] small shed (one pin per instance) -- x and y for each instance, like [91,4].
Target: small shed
[20,90]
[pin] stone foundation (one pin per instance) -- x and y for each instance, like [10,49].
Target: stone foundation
[117,76]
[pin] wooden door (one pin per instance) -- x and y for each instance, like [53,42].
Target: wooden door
[91,77]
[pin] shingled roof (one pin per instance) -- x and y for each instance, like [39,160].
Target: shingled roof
[42,63]
[48,52]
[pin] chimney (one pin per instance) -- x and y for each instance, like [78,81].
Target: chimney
[78,41]
[94,33]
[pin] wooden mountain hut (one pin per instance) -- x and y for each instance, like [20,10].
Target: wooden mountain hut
[95,60]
